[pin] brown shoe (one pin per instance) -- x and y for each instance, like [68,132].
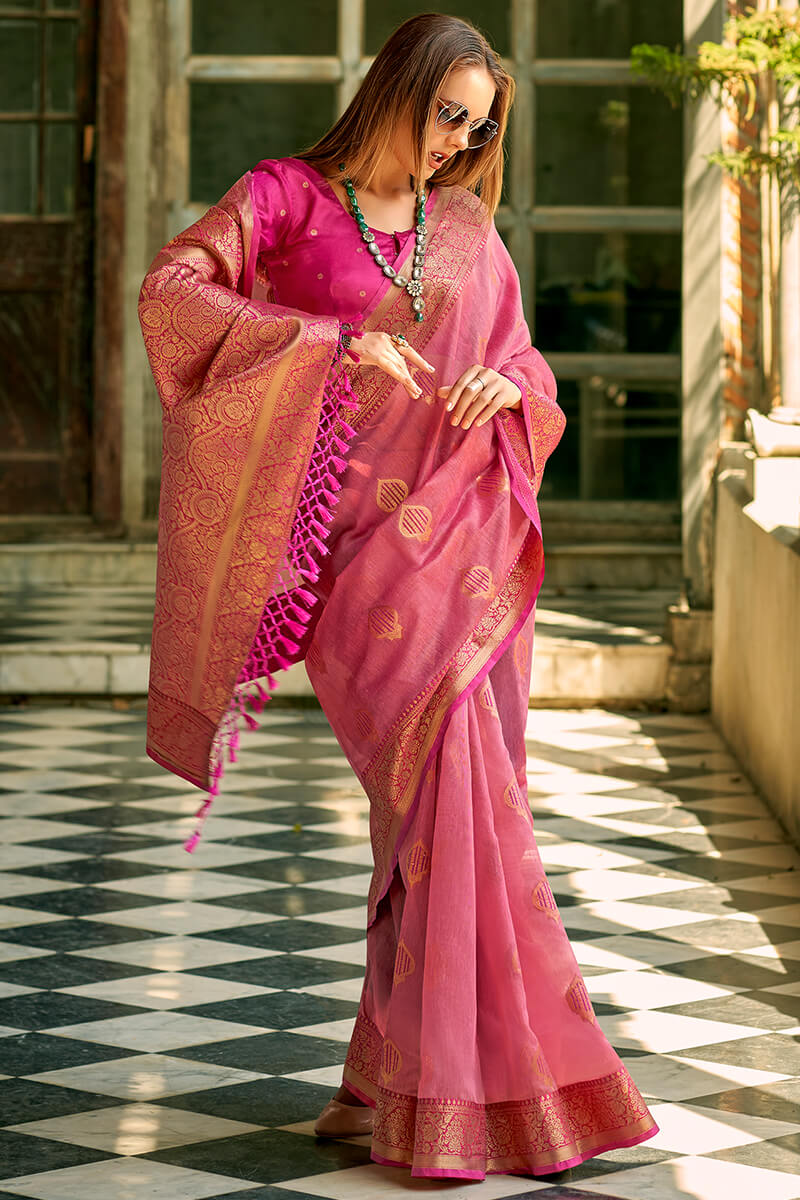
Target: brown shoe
[343,1120]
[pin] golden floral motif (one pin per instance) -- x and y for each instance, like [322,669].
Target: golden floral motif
[416,522]
[544,900]
[577,998]
[391,1059]
[391,493]
[365,726]
[404,963]
[492,480]
[486,699]
[384,623]
[315,660]
[522,652]
[514,797]
[418,862]
[477,581]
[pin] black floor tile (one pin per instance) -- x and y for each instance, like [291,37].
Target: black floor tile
[46,1010]
[267,1157]
[82,902]
[271,1053]
[21,1154]
[287,935]
[73,935]
[26,1100]
[32,1053]
[277,1010]
[65,970]
[293,869]
[290,901]
[271,1102]
[282,971]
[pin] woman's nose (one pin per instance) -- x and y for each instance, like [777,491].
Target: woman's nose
[459,139]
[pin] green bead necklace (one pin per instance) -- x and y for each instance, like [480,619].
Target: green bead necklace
[413,285]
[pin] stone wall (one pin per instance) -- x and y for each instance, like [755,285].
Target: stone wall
[755,682]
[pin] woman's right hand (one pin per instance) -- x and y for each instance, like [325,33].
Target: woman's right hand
[378,350]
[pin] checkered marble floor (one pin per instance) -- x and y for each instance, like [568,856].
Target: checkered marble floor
[170,1025]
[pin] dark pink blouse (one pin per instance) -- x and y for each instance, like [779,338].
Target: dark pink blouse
[310,246]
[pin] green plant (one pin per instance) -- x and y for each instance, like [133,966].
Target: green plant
[756,65]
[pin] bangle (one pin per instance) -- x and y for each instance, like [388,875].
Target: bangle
[346,336]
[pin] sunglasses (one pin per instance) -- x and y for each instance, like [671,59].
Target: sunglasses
[452,116]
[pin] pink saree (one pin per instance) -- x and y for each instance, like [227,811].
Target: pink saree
[311,509]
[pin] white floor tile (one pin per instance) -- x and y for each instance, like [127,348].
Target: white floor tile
[680,1077]
[337,1031]
[186,917]
[374,1182]
[190,885]
[698,1178]
[168,990]
[176,953]
[134,1128]
[647,989]
[155,1031]
[146,1077]
[125,1179]
[208,854]
[658,1031]
[691,1129]
[618,885]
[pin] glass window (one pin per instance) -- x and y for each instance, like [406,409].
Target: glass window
[253,27]
[234,125]
[59,167]
[18,154]
[609,293]
[604,28]
[60,56]
[19,66]
[621,441]
[607,145]
[383,16]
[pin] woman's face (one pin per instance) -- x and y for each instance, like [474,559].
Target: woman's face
[474,88]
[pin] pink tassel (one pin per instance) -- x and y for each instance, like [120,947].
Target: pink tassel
[289,646]
[282,663]
[309,597]
[332,482]
[293,627]
[190,845]
[252,723]
[339,463]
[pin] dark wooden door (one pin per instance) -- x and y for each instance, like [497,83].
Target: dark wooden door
[47,97]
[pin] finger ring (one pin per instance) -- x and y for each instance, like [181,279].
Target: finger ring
[399,339]
[477,380]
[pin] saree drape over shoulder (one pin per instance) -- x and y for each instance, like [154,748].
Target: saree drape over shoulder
[310,509]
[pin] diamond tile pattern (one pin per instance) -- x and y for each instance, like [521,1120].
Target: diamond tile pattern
[170,1025]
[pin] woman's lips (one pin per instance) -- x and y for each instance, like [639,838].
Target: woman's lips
[437,162]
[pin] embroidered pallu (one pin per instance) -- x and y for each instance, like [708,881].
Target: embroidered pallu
[310,509]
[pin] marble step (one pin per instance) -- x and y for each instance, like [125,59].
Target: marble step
[605,564]
[592,645]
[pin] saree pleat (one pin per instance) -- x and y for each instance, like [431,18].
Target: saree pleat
[475,1039]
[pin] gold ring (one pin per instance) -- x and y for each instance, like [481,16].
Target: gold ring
[399,339]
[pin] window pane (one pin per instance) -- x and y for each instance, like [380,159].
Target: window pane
[18,176]
[609,293]
[60,52]
[383,17]
[253,27]
[605,28]
[621,442]
[233,125]
[607,145]
[19,66]
[59,168]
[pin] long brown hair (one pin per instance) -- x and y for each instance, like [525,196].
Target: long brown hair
[405,81]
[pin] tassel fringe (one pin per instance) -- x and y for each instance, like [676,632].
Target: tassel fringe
[290,605]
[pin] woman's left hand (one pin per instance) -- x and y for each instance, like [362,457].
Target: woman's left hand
[469,402]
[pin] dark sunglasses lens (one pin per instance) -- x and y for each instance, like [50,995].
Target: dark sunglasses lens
[450,118]
[481,134]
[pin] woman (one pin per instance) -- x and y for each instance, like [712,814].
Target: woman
[355,428]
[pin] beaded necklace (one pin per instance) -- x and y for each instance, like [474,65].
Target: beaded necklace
[413,285]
